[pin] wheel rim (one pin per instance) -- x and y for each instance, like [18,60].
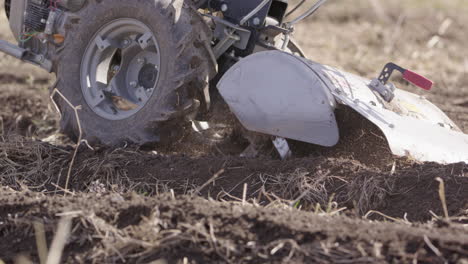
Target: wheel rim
[120,69]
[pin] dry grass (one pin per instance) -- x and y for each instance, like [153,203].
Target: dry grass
[44,167]
[204,231]
[426,36]
[328,185]
[362,192]
[31,163]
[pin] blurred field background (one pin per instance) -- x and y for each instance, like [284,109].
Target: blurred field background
[427,36]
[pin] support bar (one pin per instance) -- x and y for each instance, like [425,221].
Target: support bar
[12,50]
[25,55]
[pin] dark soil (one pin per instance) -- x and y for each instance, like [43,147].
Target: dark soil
[360,140]
[24,110]
[114,228]
[410,188]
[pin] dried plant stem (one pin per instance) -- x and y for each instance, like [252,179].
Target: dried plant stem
[41,241]
[384,215]
[1,127]
[244,194]
[443,200]
[60,239]
[432,246]
[215,176]
[78,143]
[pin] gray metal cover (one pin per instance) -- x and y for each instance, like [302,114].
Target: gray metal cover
[413,126]
[274,93]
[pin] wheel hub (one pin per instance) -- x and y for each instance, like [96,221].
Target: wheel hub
[148,75]
[120,69]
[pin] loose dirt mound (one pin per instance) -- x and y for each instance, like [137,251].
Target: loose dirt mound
[114,228]
[410,188]
[360,140]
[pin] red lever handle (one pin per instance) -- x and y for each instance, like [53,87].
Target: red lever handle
[418,80]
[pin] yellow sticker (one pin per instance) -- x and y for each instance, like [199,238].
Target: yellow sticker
[410,107]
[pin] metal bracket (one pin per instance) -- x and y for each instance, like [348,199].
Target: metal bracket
[49,29]
[282,146]
[224,44]
[223,25]
[386,91]
[228,35]
[245,12]
[25,55]
[254,12]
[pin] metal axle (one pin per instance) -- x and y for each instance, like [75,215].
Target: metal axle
[12,50]
[25,55]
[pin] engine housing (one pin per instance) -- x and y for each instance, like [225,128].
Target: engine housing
[37,13]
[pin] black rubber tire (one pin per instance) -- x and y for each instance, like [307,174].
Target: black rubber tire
[186,69]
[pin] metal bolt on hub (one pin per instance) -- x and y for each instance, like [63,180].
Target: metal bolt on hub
[123,56]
